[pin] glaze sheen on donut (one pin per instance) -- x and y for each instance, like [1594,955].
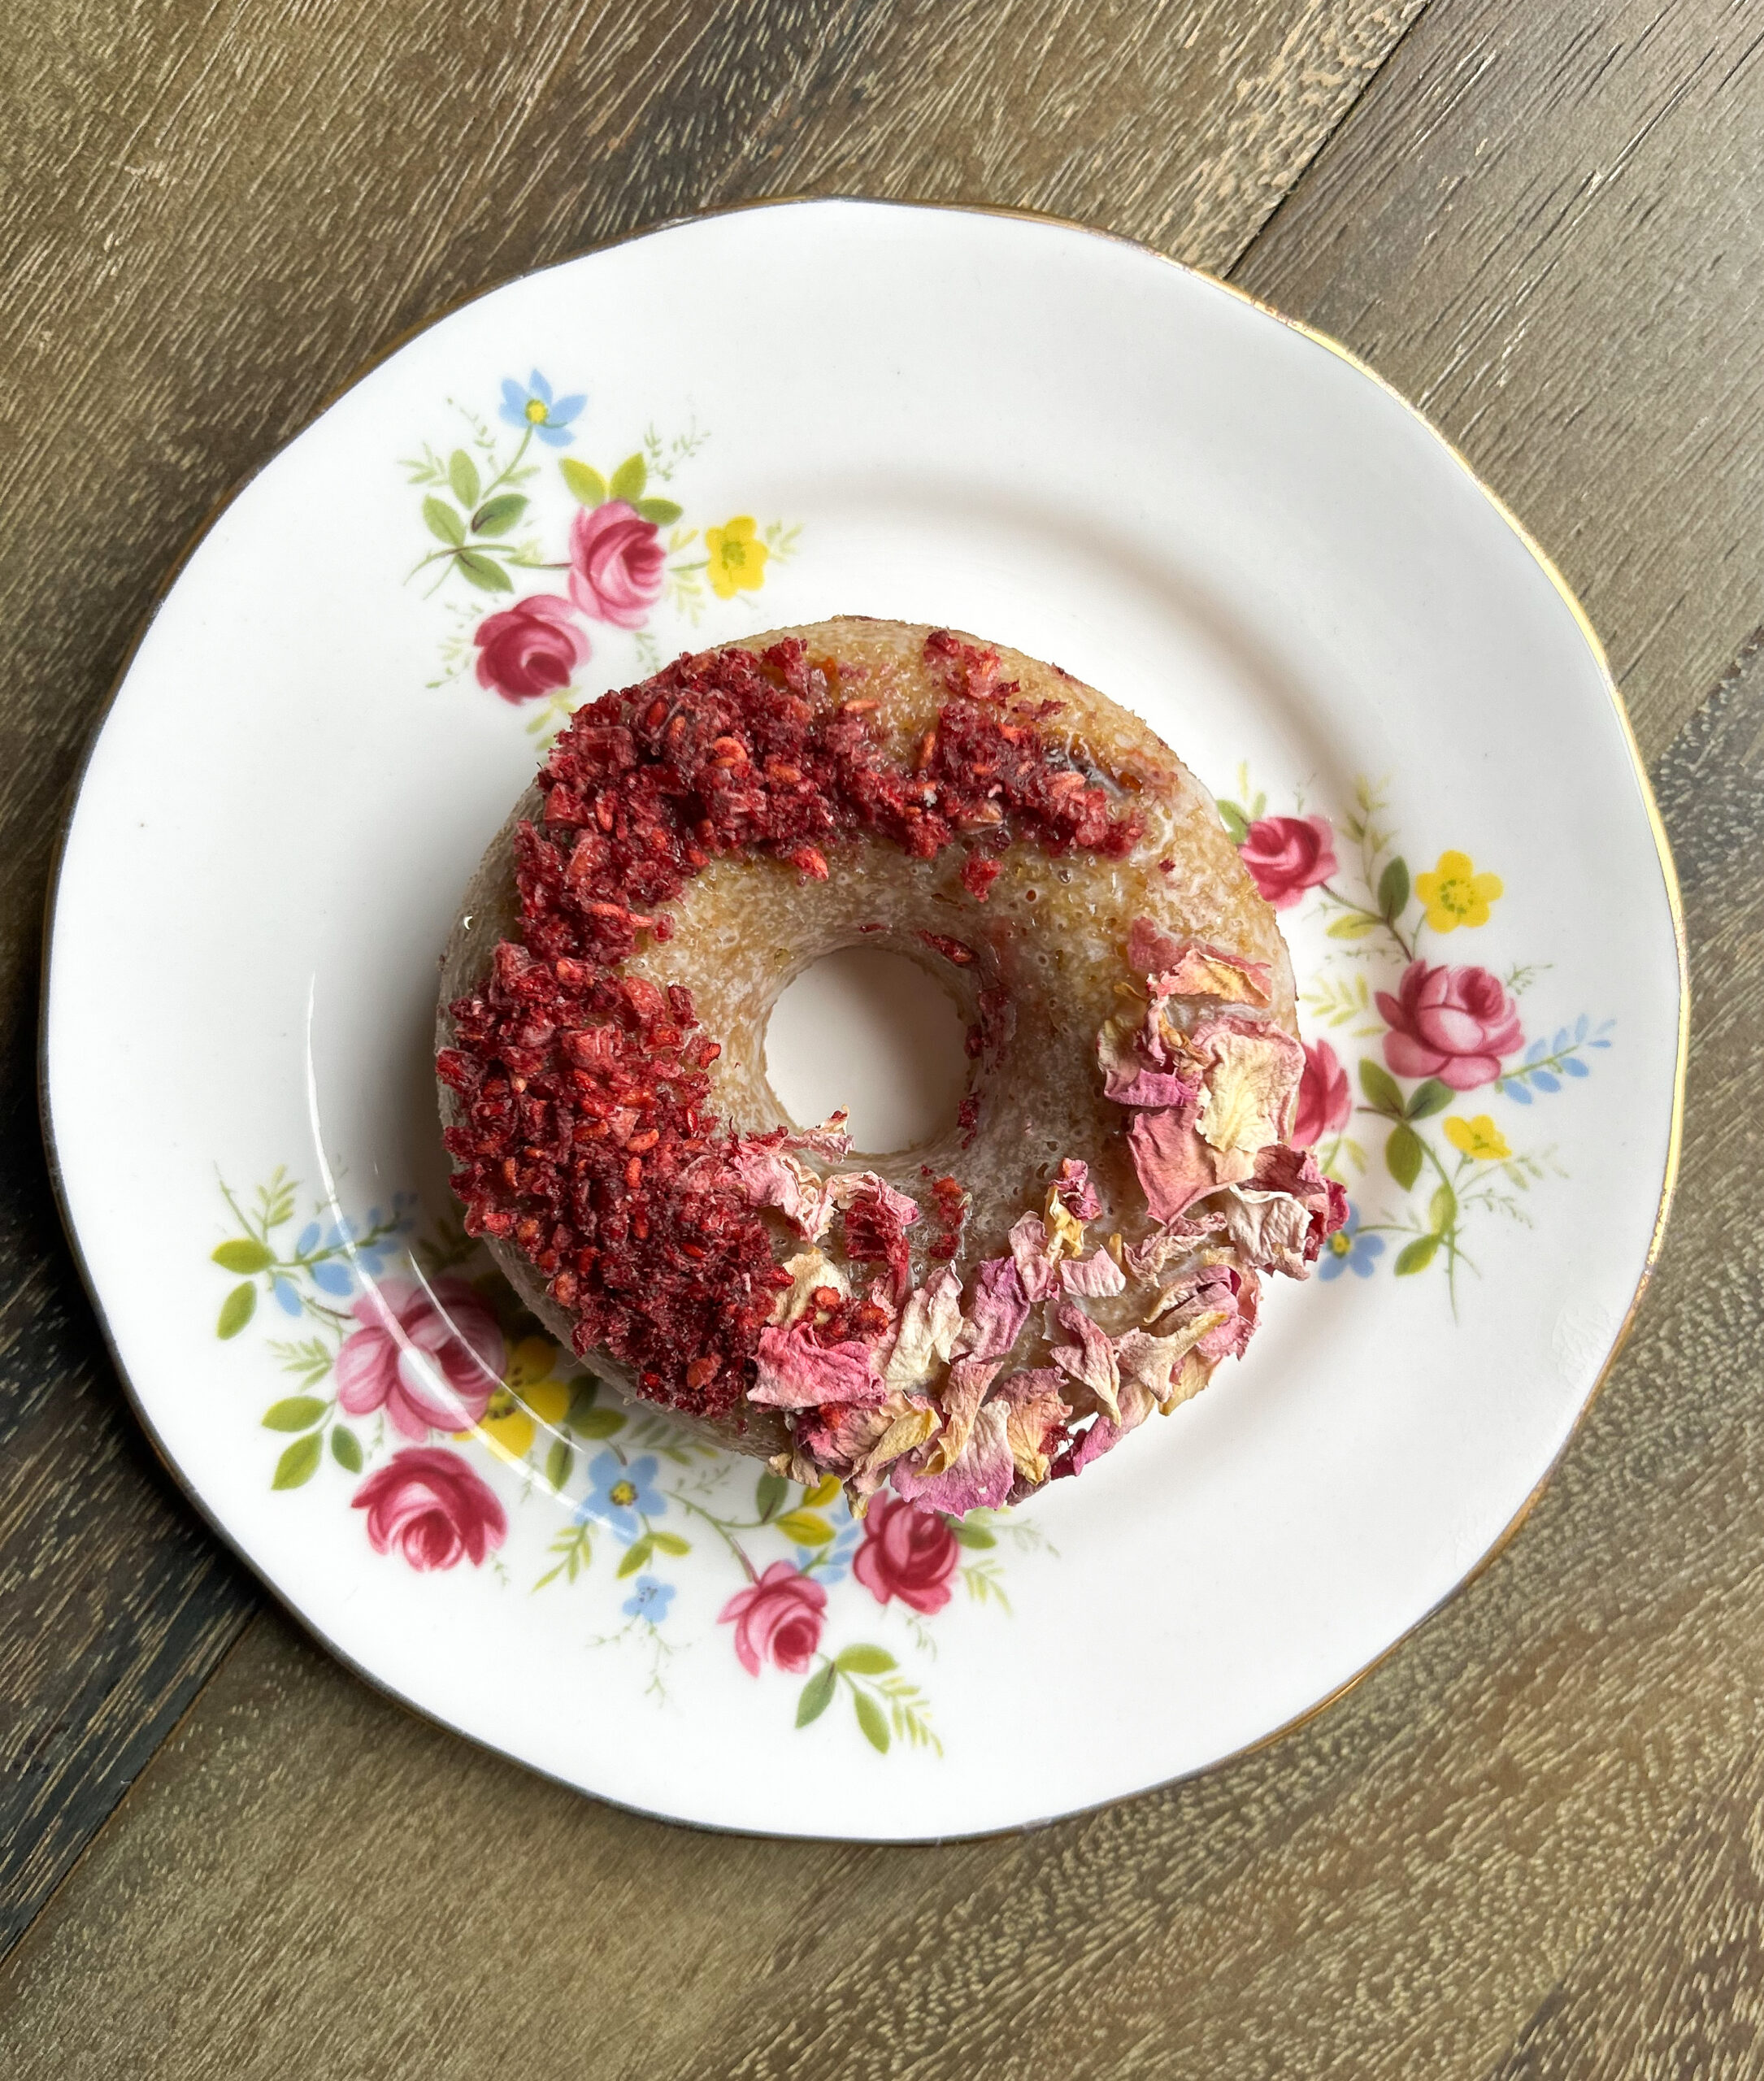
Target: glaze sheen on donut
[966,1320]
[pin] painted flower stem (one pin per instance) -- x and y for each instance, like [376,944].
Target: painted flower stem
[1328,1159]
[724,1528]
[507,474]
[1376,916]
[1449,1235]
[1552,1065]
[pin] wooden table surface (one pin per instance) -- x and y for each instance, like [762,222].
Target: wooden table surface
[1532,1843]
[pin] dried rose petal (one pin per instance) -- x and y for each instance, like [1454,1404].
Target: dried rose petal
[795,1372]
[998,1310]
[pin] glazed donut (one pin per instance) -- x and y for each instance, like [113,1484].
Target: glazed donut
[966,1320]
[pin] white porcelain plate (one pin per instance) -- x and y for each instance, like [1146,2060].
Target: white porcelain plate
[1064,443]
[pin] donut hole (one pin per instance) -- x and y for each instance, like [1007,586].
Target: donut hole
[873,1031]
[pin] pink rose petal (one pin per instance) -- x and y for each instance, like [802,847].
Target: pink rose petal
[997,1311]
[1095,1277]
[795,1372]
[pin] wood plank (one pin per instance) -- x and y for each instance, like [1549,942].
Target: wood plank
[1673,1982]
[114,1602]
[1673,1988]
[1181,127]
[1543,228]
[1388,1893]
[214,214]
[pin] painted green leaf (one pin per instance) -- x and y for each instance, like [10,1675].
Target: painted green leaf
[663,511]
[1417,1256]
[1393,889]
[1403,1154]
[485,572]
[237,1310]
[300,1461]
[966,1535]
[1426,1099]
[585,1392]
[444,524]
[346,1448]
[804,1528]
[670,1542]
[243,1256]
[636,1557]
[496,516]
[588,485]
[1236,822]
[876,1728]
[769,1492]
[1381,1087]
[817,1696]
[558,1462]
[1442,1209]
[298,1412]
[596,1423]
[1352,927]
[865,1661]
[462,475]
[629,479]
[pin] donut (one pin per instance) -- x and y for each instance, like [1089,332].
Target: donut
[966,1320]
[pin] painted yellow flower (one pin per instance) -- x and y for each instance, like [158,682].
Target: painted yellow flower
[1479,1137]
[737,559]
[530,1395]
[1455,894]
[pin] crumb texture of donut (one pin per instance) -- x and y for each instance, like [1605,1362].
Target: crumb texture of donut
[1078,1247]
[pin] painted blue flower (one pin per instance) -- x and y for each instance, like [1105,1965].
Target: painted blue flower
[333,1275]
[649,1599]
[535,410]
[1350,1249]
[621,1495]
[287,1294]
[835,1560]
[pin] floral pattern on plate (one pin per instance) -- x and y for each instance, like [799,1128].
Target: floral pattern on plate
[1443,1031]
[418,1371]
[493,510]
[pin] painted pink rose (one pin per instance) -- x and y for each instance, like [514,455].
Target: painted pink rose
[908,1553]
[431,1506]
[1286,855]
[1324,1099]
[616,563]
[431,1357]
[1454,1023]
[777,1619]
[531,649]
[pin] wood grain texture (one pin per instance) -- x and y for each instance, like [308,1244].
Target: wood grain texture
[1545,227]
[214,215]
[1389,1892]
[1540,1810]
[1674,1988]
[1673,1983]
[114,1601]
